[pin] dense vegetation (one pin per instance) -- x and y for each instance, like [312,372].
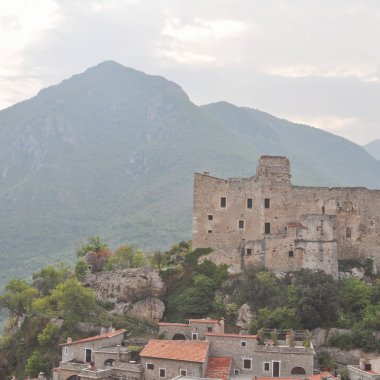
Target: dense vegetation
[114,150]
[50,308]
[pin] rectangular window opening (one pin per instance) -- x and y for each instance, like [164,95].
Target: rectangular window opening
[236,371]
[210,217]
[241,224]
[248,251]
[291,253]
[194,336]
[162,372]
[209,231]
[223,202]
[348,232]
[243,343]
[249,202]
[266,366]
[267,203]
[247,363]
[149,366]
[267,228]
[209,329]
[183,372]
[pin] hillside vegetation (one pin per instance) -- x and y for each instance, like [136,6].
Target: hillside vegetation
[114,150]
[44,312]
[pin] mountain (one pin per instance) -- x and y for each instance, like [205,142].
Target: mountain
[112,151]
[373,148]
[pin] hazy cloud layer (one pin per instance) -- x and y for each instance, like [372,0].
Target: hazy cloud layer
[311,62]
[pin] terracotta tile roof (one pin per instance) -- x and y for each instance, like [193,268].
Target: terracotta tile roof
[297,224]
[227,335]
[218,368]
[173,324]
[203,321]
[92,338]
[319,376]
[184,350]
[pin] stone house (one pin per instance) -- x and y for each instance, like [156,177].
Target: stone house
[101,357]
[368,369]
[268,221]
[194,330]
[166,359]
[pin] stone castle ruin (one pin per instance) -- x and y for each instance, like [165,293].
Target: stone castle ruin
[266,220]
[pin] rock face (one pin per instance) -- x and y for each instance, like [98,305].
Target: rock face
[151,309]
[134,292]
[244,317]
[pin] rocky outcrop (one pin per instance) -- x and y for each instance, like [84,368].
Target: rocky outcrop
[244,317]
[134,292]
[150,309]
[128,285]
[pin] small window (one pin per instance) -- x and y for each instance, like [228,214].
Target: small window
[267,203]
[183,372]
[162,372]
[291,253]
[248,251]
[243,343]
[209,231]
[323,209]
[66,350]
[236,371]
[247,363]
[209,329]
[267,228]
[223,202]
[266,366]
[194,336]
[241,224]
[348,232]
[249,203]
[149,366]
[210,217]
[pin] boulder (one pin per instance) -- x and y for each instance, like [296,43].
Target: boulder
[150,309]
[128,285]
[244,317]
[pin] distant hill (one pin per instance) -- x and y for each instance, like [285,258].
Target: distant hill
[112,151]
[373,148]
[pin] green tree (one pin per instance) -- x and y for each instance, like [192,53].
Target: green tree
[315,296]
[36,363]
[48,336]
[126,256]
[159,260]
[81,268]
[18,297]
[69,300]
[49,277]
[283,318]
[93,244]
[355,295]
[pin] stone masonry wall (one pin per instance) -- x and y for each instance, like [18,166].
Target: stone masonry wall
[232,215]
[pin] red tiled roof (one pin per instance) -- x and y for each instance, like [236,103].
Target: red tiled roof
[218,368]
[173,324]
[227,335]
[296,224]
[203,321]
[92,338]
[184,350]
[319,376]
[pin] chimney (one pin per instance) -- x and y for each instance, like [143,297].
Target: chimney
[69,340]
[206,173]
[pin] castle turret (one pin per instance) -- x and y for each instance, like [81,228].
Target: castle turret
[273,170]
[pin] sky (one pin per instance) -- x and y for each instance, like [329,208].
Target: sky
[312,62]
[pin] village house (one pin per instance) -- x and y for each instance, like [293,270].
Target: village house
[368,369]
[266,220]
[101,357]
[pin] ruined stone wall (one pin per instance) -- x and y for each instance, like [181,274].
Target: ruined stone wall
[232,215]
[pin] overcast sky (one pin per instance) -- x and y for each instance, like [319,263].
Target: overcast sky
[315,62]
